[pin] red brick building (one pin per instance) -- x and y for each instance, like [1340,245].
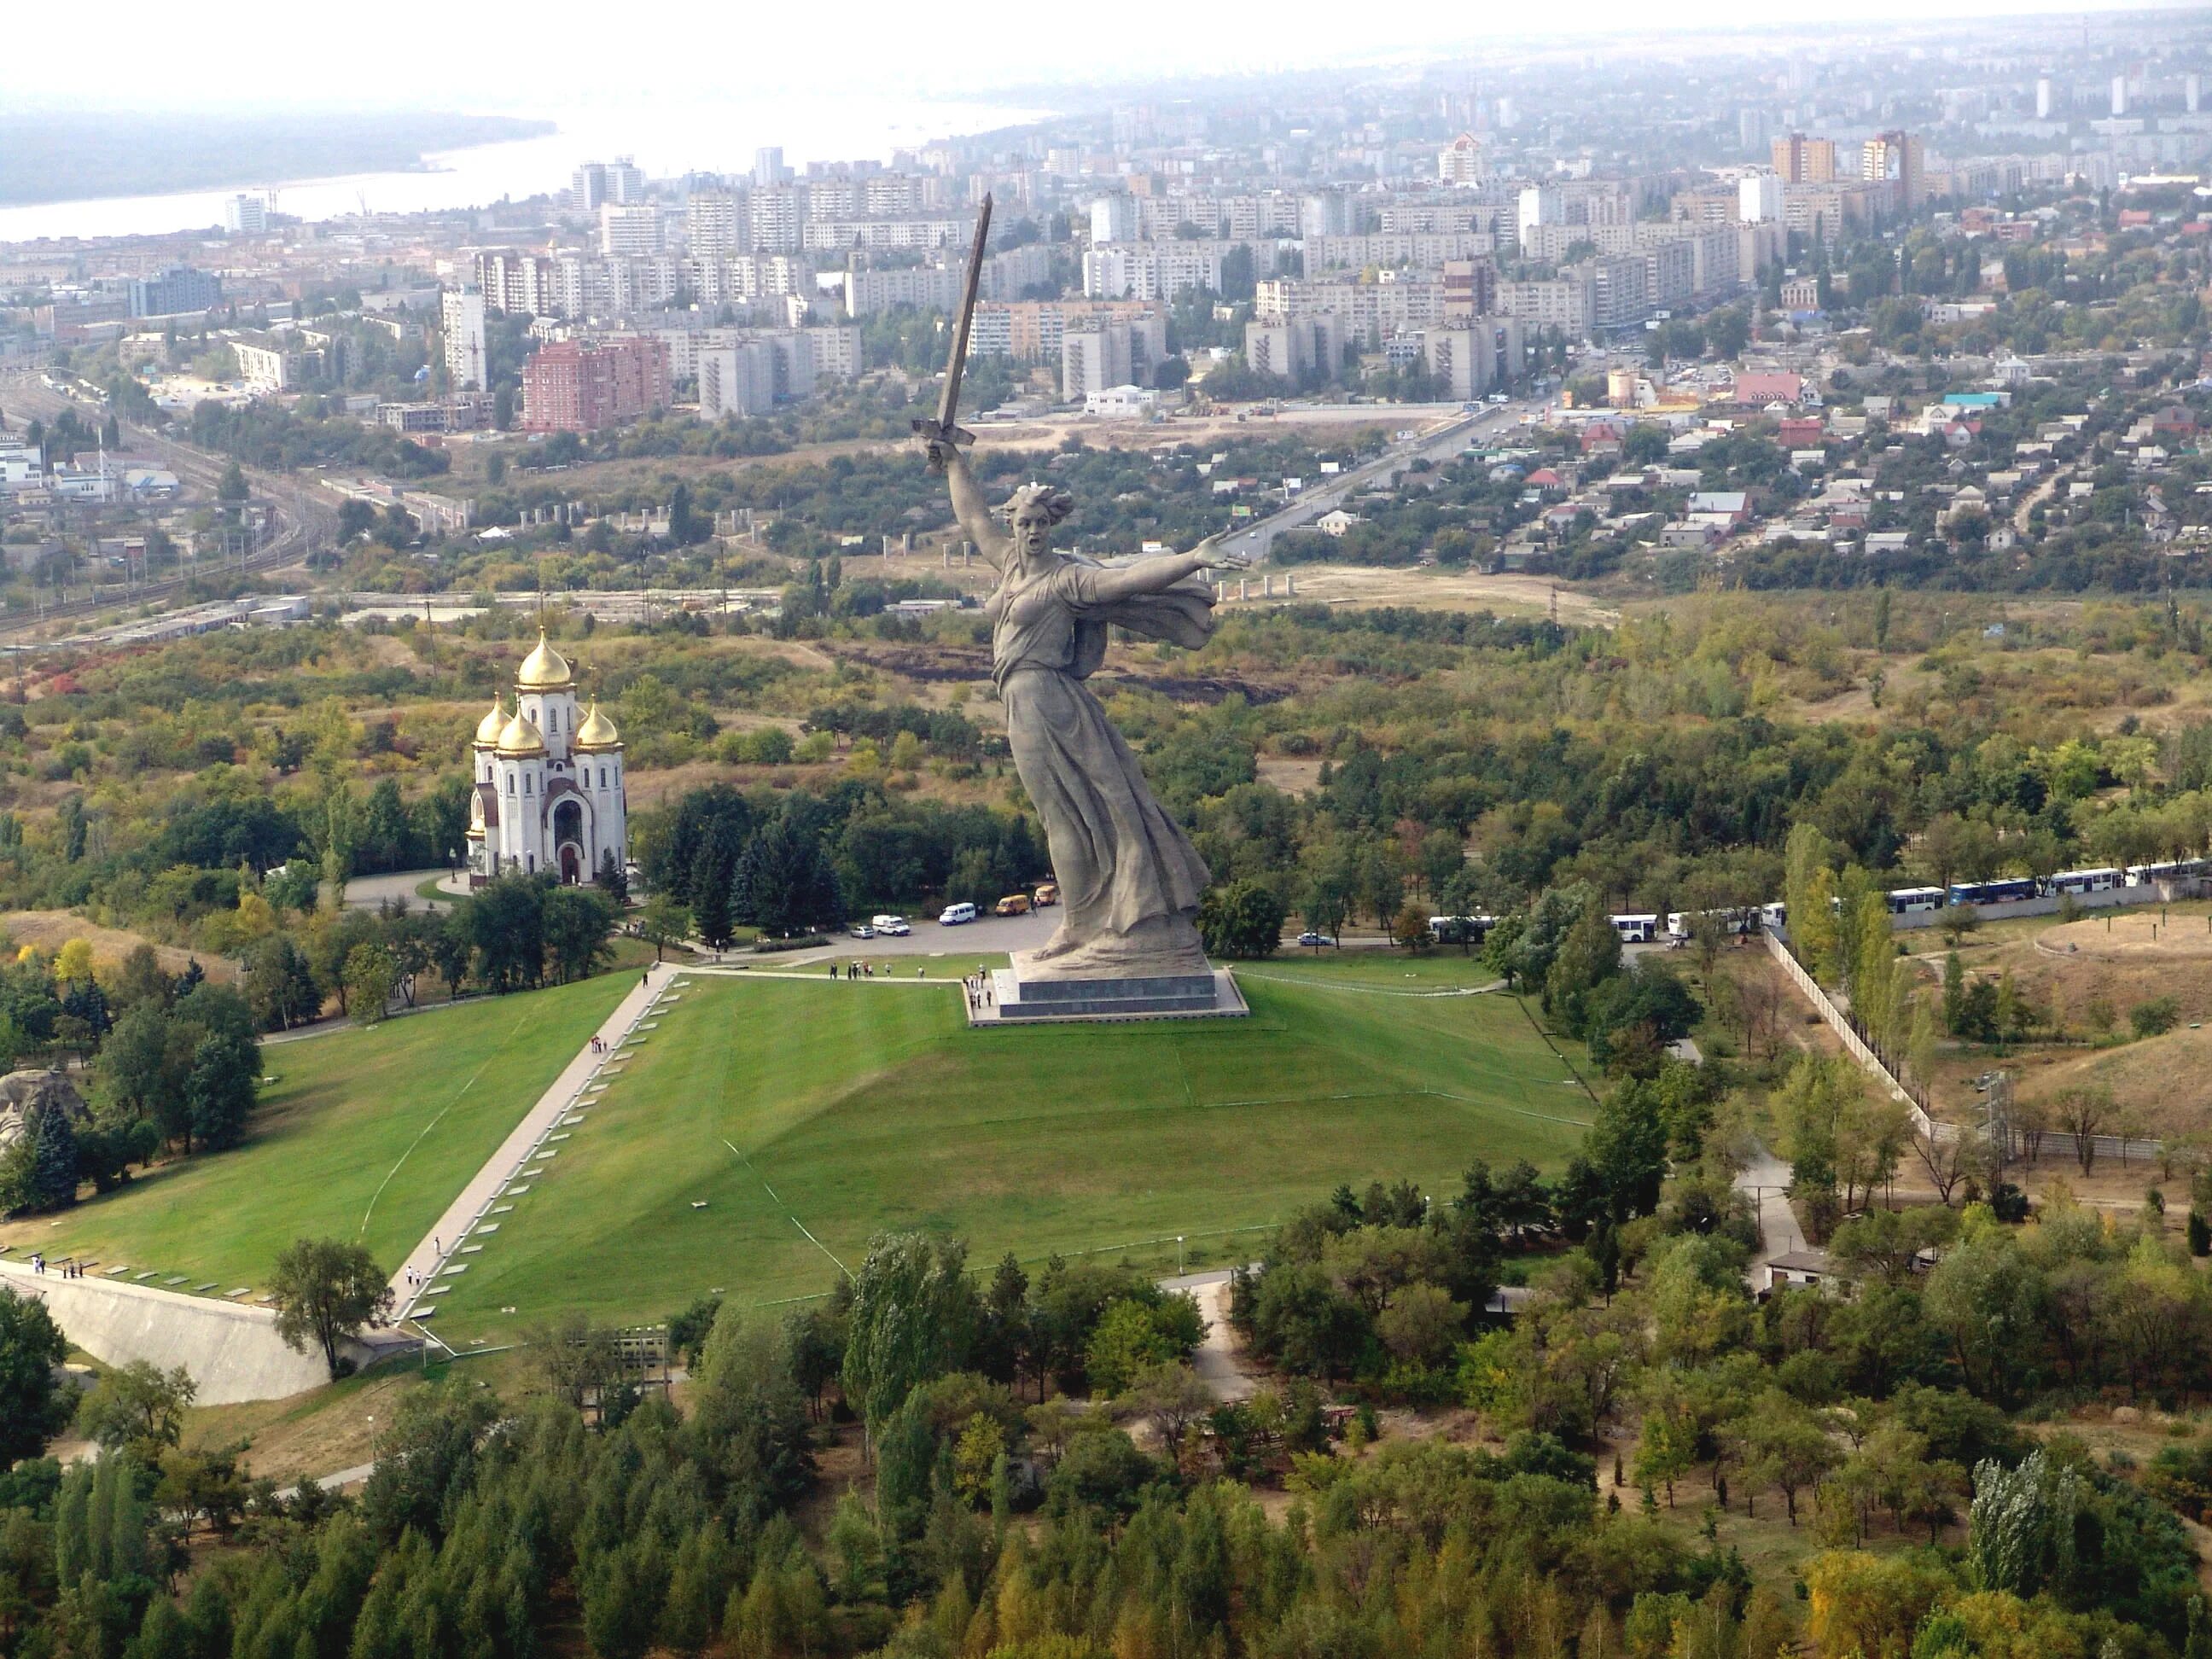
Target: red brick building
[574,386]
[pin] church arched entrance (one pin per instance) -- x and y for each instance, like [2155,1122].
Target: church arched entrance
[568,837]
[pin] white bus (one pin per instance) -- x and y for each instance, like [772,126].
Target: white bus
[1636,930]
[2101,880]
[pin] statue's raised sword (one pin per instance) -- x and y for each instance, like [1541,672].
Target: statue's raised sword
[943,429]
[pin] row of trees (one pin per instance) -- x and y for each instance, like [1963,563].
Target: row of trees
[178,1067]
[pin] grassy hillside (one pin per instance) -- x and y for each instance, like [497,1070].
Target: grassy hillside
[761,1112]
[364,1134]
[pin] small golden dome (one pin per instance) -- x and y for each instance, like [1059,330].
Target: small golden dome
[597,732]
[489,727]
[521,737]
[544,669]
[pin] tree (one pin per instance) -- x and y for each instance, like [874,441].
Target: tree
[222,1088]
[140,1407]
[784,884]
[280,985]
[664,921]
[612,879]
[370,975]
[914,1316]
[325,1289]
[576,922]
[1243,921]
[32,1407]
[2082,1112]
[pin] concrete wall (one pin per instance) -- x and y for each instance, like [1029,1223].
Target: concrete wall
[233,1353]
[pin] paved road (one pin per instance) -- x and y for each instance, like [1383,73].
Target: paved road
[979,937]
[367,892]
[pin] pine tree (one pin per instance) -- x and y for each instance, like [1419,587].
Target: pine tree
[53,1160]
[73,1525]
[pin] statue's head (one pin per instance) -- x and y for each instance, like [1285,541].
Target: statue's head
[1034,509]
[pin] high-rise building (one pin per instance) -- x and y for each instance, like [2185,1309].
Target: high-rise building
[631,230]
[587,188]
[772,220]
[1802,161]
[2193,86]
[1750,130]
[2120,94]
[246,215]
[2043,98]
[1470,289]
[176,289]
[769,168]
[1114,219]
[1460,162]
[1897,159]
[1759,197]
[573,386]
[710,224]
[466,369]
[625,183]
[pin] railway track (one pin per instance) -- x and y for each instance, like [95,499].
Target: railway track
[298,522]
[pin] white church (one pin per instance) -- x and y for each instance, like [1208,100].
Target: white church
[549,780]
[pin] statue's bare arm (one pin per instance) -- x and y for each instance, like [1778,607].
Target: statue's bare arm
[1157,575]
[969,507]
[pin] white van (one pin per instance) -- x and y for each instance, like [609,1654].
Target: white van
[953,914]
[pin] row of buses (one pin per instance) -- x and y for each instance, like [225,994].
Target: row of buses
[1639,929]
[2011,889]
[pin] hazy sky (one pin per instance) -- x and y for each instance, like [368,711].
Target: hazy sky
[471,57]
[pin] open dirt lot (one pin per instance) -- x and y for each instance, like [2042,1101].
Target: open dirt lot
[1442,590]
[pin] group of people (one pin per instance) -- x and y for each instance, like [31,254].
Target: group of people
[982,993]
[867,970]
[69,1269]
[598,1045]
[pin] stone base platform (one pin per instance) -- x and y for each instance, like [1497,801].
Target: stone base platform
[1016,1001]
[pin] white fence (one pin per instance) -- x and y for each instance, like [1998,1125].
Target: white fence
[1853,1042]
[2125,1150]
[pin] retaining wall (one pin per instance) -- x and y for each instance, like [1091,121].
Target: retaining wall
[232,1353]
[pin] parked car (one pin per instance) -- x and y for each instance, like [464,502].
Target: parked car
[863,930]
[953,916]
[1313,938]
[892,926]
[1014,904]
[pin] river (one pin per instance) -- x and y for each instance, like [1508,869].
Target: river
[665,139]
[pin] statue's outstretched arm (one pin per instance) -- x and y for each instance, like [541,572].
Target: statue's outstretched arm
[969,507]
[1157,575]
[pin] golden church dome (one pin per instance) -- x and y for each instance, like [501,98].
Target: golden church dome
[544,669]
[597,732]
[521,737]
[489,727]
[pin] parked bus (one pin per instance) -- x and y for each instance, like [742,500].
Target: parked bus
[1461,930]
[2010,891]
[2102,880]
[1903,901]
[2143,875]
[1636,930]
[1738,920]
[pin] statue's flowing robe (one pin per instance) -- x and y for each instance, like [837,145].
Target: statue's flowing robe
[1120,860]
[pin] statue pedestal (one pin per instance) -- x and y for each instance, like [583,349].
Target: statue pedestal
[1016,999]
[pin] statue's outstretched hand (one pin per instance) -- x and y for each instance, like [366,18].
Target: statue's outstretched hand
[943,453]
[1220,557]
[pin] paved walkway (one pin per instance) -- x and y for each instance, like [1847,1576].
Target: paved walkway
[1765,1179]
[1215,1359]
[439,1245]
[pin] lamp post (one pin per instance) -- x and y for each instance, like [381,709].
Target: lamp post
[1178,1255]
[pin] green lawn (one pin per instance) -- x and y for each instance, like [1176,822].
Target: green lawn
[365,1134]
[762,1107]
